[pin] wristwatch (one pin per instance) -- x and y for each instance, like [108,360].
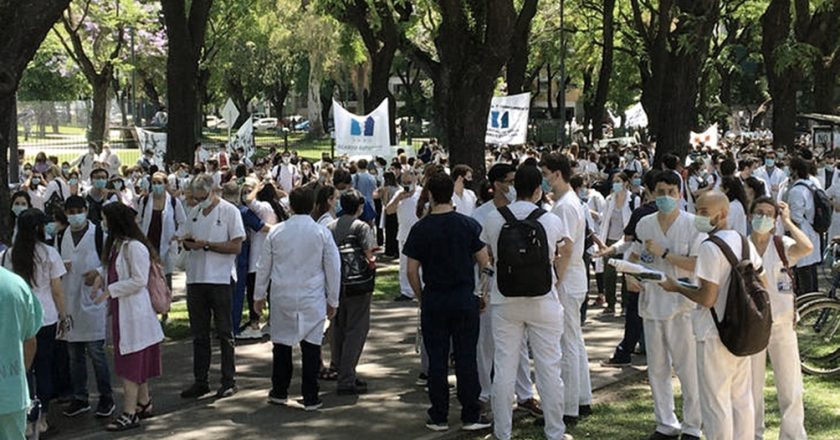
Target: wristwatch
[665,254]
[206,247]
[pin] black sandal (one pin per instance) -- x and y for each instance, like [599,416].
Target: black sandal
[144,411]
[124,423]
[328,374]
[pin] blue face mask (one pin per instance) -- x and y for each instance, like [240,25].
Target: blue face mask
[158,188]
[35,181]
[118,185]
[99,183]
[546,186]
[73,182]
[50,228]
[763,224]
[666,204]
[636,182]
[769,162]
[18,209]
[703,224]
[77,220]
[617,187]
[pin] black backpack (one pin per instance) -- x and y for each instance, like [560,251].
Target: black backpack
[523,267]
[822,208]
[358,277]
[745,328]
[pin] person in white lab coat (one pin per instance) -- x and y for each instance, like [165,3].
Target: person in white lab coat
[779,253]
[725,380]
[136,331]
[80,246]
[301,263]
[770,174]
[620,205]
[800,198]
[668,242]
[110,160]
[404,204]
[161,217]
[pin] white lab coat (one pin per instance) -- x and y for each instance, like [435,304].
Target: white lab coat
[801,201]
[772,177]
[300,259]
[88,317]
[626,211]
[139,327]
[171,225]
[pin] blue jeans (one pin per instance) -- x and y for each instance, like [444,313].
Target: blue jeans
[78,369]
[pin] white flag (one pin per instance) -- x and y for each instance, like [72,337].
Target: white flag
[709,138]
[355,135]
[155,141]
[244,138]
[507,122]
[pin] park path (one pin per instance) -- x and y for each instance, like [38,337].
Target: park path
[394,408]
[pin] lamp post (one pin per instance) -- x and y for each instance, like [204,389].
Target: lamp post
[133,81]
[286,139]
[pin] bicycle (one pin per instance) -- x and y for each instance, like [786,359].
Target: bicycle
[831,270]
[818,333]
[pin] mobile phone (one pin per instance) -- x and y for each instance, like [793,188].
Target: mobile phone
[406,188]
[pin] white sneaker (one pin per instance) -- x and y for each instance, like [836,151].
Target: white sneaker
[250,333]
[266,329]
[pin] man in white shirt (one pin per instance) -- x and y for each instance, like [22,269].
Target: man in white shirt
[404,204]
[770,174]
[301,263]
[213,235]
[724,379]
[286,174]
[800,197]
[668,242]
[573,286]
[540,317]
[111,160]
[85,163]
[463,198]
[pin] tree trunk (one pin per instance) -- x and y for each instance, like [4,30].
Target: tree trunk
[313,99]
[463,104]
[602,90]
[99,115]
[517,64]
[237,94]
[150,89]
[776,27]
[8,140]
[588,98]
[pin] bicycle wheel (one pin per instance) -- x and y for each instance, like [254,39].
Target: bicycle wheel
[818,332]
[803,300]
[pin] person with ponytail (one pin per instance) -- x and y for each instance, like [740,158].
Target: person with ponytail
[40,265]
[136,331]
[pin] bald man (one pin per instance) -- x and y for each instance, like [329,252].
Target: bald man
[724,379]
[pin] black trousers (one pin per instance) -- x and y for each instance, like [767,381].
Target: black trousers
[281,376]
[206,302]
[632,329]
[461,328]
[391,227]
[806,279]
[43,366]
[253,313]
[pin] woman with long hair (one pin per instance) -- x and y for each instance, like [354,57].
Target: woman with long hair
[326,199]
[41,267]
[137,334]
[734,190]
[389,221]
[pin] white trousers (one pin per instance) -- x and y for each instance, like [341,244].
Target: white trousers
[485,349]
[784,357]
[725,391]
[671,344]
[405,287]
[542,320]
[575,369]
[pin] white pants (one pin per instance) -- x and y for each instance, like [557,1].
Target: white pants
[405,287]
[485,349]
[671,343]
[542,320]
[725,391]
[784,357]
[575,369]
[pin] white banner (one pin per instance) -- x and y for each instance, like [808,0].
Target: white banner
[359,135]
[507,122]
[244,138]
[155,141]
[710,137]
[635,117]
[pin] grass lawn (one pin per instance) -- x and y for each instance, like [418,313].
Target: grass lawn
[625,411]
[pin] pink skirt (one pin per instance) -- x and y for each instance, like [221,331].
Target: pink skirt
[139,366]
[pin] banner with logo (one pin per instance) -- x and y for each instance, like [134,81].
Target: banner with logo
[152,140]
[355,135]
[709,138]
[244,138]
[507,122]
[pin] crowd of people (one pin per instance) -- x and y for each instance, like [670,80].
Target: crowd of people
[501,265]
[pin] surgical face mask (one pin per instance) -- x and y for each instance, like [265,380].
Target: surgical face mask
[18,209]
[144,184]
[205,203]
[73,181]
[636,182]
[65,170]
[511,194]
[780,154]
[118,185]
[50,228]
[666,204]
[91,151]
[582,193]
[617,187]
[158,188]
[77,220]
[99,183]
[36,181]
[769,162]
[286,159]
[763,224]
[703,224]
[546,185]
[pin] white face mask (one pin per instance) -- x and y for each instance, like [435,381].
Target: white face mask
[511,194]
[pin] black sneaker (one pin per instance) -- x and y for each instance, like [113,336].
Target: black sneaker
[437,426]
[76,408]
[422,380]
[585,411]
[660,436]
[195,391]
[226,391]
[360,387]
[615,363]
[105,407]
[478,425]
[570,421]
[275,398]
[689,437]
[403,298]
[313,405]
